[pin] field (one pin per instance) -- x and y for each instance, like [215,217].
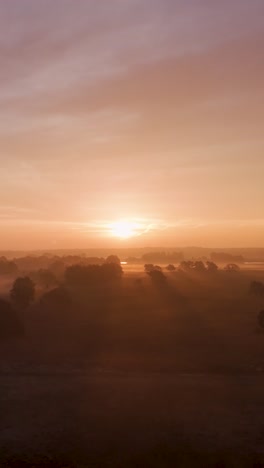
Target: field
[131,419]
[148,376]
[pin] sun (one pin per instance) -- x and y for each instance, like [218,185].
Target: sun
[124,229]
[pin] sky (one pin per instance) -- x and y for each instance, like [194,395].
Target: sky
[146,111]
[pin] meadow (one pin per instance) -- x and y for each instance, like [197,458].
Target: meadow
[136,372]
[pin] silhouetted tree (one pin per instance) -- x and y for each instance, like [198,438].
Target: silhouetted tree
[10,325]
[186,266]
[113,259]
[58,298]
[7,268]
[199,266]
[170,267]
[191,266]
[148,267]
[232,268]
[111,271]
[23,292]
[261,318]
[93,261]
[211,267]
[138,282]
[82,275]
[157,277]
[57,268]
[46,278]
[92,275]
[257,288]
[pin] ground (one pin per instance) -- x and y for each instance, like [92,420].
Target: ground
[168,377]
[98,418]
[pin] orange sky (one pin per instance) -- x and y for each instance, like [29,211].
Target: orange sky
[145,110]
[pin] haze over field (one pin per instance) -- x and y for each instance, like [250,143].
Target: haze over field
[146,111]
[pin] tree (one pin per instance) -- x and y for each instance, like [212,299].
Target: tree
[113,259]
[170,267]
[58,268]
[7,268]
[199,266]
[23,292]
[257,288]
[56,299]
[148,267]
[111,271]
[138,282]
[157,277]
[10,325]
[190,266]
[186,266]
[92,275]
[46,278]
[211,267]
[261,318]
[232,268]
[82,275]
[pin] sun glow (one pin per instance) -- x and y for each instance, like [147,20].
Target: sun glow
[124,229]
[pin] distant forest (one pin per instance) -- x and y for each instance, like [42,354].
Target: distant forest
[157,310]
[54,261]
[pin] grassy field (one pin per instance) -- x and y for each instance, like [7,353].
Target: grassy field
[119,419]
[146,376]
